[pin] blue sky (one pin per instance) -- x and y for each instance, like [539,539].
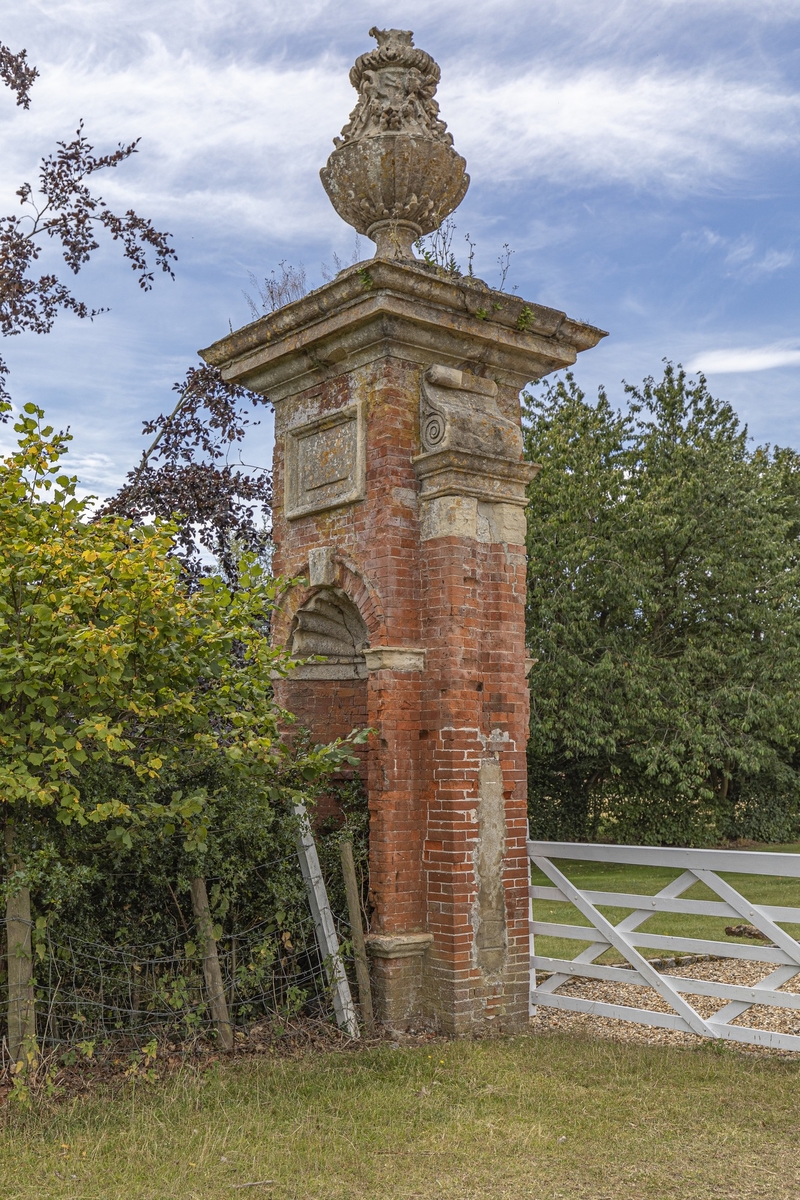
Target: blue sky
[641,159]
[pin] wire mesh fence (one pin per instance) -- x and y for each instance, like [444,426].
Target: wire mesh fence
[88,990]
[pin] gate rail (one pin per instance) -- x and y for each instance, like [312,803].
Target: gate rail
[696,866]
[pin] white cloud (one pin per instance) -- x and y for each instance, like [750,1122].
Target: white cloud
[98,472]
[740,359]
[112,26]
[742,257]
[237,102]
[744,261]
[231,143]
[221,141]
[641,128]
[774,260]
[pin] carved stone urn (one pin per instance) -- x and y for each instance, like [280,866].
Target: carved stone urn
[394,174]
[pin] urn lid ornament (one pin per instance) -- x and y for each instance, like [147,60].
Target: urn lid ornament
[394,174]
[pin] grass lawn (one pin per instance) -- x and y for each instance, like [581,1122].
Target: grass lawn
[620,877]
[546,1116]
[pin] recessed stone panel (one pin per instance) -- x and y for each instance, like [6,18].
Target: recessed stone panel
[325,463]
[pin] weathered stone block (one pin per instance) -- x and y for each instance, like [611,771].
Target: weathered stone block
[325,462]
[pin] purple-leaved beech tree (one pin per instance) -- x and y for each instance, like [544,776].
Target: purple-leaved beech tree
[63,208]
[186,473]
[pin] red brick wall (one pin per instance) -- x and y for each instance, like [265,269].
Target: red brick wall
[330,708]
[463,601]
[474,626]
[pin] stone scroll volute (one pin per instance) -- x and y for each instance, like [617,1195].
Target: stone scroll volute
[459,411]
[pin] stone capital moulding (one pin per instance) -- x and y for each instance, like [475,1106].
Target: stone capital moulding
[325,462]
[482,476]
[395,658]
[398,945]
[394,174]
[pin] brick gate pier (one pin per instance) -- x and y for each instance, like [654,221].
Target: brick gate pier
[400,497]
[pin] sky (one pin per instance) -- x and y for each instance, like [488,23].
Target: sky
[641,158]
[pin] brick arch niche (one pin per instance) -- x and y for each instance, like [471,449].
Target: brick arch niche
[329,692]
[329,626]
[333,615]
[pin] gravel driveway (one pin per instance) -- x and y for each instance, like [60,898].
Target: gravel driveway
[728,970]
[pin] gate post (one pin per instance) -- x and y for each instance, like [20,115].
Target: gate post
[400,496]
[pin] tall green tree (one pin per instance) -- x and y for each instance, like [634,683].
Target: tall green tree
[663,615]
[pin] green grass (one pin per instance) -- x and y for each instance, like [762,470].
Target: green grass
[619,877]
[539,1116]
[547,1116]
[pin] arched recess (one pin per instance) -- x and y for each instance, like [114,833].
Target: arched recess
[346,581]
[329,624]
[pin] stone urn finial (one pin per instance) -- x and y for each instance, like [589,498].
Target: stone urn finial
[394,174]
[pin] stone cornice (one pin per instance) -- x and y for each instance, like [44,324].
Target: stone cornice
[422,314]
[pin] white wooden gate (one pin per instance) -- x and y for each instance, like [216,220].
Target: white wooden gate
[695,865]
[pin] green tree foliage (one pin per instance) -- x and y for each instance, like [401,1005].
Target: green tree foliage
[141,747]
[125,698]
[136,902]
[663,615]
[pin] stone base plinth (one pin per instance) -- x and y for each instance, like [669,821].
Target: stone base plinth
[398,977]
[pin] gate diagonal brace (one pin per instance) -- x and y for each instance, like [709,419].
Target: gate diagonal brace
[627,925]
[768,927]
[615,937]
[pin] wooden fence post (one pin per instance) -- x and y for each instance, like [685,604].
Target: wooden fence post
[211,967]
[21,1011]
[359,946]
